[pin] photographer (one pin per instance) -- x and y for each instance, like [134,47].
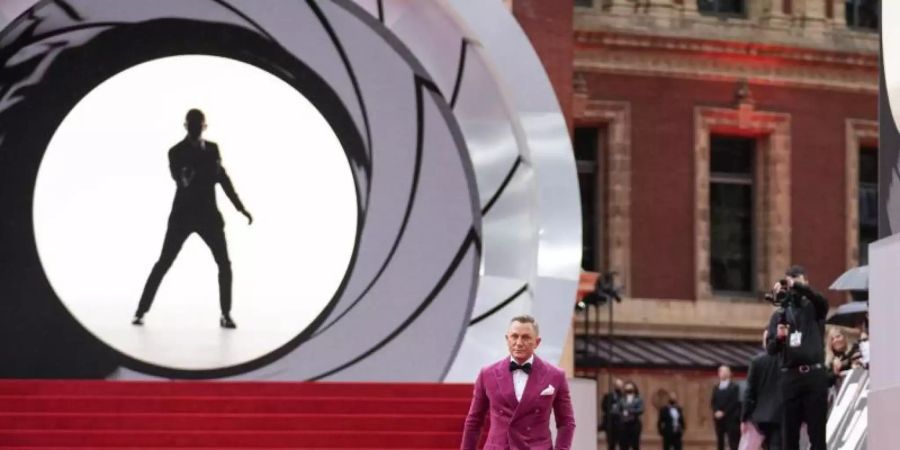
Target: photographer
[796,334]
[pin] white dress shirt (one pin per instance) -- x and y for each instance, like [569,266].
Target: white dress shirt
[520,378]
[673,413]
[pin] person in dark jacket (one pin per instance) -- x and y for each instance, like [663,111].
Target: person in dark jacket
[796,335]
[632,410]
[671,423]
[726,407]
[611,407]
[762,405]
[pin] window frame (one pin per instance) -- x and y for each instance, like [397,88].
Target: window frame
[870,186]
[856,18]
[859,133]
[615,119]
[742,179]
[597,168]
[723,14]
[772,204]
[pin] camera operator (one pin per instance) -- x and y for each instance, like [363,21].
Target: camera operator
[796,334]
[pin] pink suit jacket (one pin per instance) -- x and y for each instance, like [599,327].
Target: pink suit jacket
[516,425]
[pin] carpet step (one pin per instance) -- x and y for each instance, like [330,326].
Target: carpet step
[244,388]
[231,422]
[29,447]
[228,439]
[244,404]
[87,414]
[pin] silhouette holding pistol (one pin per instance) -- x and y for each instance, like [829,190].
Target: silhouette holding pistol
[196,167]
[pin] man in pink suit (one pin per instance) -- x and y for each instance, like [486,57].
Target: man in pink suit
[519,392]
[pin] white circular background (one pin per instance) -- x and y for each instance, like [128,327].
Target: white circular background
[104,193]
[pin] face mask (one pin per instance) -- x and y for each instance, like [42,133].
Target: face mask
[864,350]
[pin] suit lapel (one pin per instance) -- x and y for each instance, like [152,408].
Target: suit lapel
[505,383]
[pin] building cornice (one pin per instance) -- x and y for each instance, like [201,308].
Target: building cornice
[711,59]
[683,318]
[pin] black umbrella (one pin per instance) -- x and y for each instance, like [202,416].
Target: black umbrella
[849,314]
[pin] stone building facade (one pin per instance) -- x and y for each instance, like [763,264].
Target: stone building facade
[718,141]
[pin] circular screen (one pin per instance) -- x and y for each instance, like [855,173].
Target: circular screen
[125,214]
[316,122]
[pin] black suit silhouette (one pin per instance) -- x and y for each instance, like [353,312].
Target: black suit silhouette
[762,406]
[611,421]
[728,401]
[670,429]
[196,167]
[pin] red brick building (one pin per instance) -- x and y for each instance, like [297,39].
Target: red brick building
[718,141]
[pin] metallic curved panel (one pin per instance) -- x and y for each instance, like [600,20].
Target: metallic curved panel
[483,66]
[549,155]
[519,145]
[10,9]
[890,157]
[412,284]
[890,48]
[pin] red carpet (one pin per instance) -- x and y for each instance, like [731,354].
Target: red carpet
[203,415]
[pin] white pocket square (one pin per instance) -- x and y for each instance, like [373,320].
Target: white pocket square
[549,391]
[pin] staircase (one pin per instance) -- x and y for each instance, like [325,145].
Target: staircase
[203,415]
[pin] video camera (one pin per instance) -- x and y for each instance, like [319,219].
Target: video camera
[783,295]
[604,291]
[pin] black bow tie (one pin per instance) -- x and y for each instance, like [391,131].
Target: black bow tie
[514,366]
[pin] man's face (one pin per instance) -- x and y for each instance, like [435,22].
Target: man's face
[724,373]
[522,341]
[619,384]
[195,127]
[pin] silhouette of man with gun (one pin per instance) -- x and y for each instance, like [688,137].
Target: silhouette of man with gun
[196,167]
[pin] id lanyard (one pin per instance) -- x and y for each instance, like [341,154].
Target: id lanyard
[795,337]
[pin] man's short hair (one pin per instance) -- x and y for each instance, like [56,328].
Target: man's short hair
[194,115]
[525,318]
[795,271]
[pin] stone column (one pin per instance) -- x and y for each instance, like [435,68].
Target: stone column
[618,7]
[773,14]
[840,14]
[662,8]
[812,13]
[689,8]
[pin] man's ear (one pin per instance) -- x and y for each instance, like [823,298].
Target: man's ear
[537,342]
